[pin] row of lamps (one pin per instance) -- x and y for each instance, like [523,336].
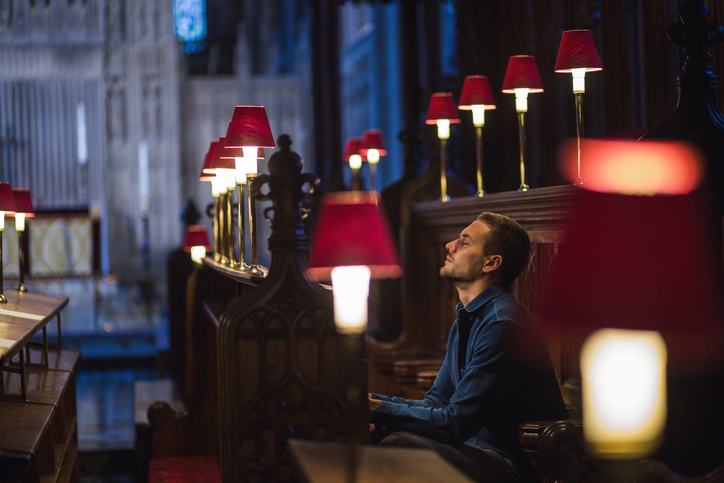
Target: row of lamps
[577,55]
[368,148]
[231,163]
[14,202]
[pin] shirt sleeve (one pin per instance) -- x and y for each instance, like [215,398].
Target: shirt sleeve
[450,415]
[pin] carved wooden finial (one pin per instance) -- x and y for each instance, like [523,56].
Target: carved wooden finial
[286,187]
[695,35]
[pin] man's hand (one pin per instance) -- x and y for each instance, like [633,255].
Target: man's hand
[372,403]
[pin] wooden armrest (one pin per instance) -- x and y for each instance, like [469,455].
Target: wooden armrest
[385,361]
[406,370]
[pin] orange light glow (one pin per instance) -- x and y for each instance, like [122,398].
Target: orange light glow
[634,167]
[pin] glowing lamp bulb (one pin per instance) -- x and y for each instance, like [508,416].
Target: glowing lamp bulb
[350,287]
[217,186]
[240,168]
[198,253]
[579,81]
[355,161]
[227,177]
[2,222]
[624,391]
[478,114]
[521,100]
[443,128]
[373,156]
[20,221]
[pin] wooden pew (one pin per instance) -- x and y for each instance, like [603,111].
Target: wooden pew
[281,370]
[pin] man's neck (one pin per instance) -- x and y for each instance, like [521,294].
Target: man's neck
[468,291]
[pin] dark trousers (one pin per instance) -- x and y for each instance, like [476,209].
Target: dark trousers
[482,465]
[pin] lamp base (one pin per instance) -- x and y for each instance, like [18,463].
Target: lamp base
[580,181]
[480,193]
[524,187]
[22,288]
[255,270]
[445,198]
[3,299]
[233,264]
[242,267]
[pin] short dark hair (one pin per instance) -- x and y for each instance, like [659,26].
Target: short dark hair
[509,240]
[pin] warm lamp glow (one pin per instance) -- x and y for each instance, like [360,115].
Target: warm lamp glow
[20,221]
[521,100]
[350,286]
[443,128]
[624,391]
[478,114]
[355,161]
[579,80]
[198,253]
[635,167]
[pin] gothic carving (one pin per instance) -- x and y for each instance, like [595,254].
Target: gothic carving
[282,364]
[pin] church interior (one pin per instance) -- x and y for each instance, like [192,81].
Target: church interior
[167,309]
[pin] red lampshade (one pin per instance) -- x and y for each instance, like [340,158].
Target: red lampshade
[522,73]
[196,235]
[249,126]
[23,203]
[352,146]
[352,230]
[577,51]
[372,139]
[217,162]
[442,106]
[476,91]
[207,173]
[7,199]
[641,262]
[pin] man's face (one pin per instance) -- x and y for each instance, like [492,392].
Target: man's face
[465,259]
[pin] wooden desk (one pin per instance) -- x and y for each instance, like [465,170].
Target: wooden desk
[323,462]
[38,423]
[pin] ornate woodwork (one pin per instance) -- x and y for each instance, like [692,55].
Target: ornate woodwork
[282,366]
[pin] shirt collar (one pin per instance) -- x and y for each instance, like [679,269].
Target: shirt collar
[481,299]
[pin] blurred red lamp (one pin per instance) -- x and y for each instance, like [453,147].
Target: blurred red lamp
[351,244]
[521,78]
[23,209]
[609,286]
[196,242]
[354,158]
[577,54]
[478,97]
[372,148]
[7,207]
[442,112]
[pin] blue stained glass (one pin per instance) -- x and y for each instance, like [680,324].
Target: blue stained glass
[189,18]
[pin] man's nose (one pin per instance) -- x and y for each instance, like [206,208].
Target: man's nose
[450,246]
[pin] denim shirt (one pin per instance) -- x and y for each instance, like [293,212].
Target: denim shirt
[500,377]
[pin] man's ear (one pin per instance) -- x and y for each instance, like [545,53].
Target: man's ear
[492,263]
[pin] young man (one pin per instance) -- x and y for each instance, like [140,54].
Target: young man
[497,372]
